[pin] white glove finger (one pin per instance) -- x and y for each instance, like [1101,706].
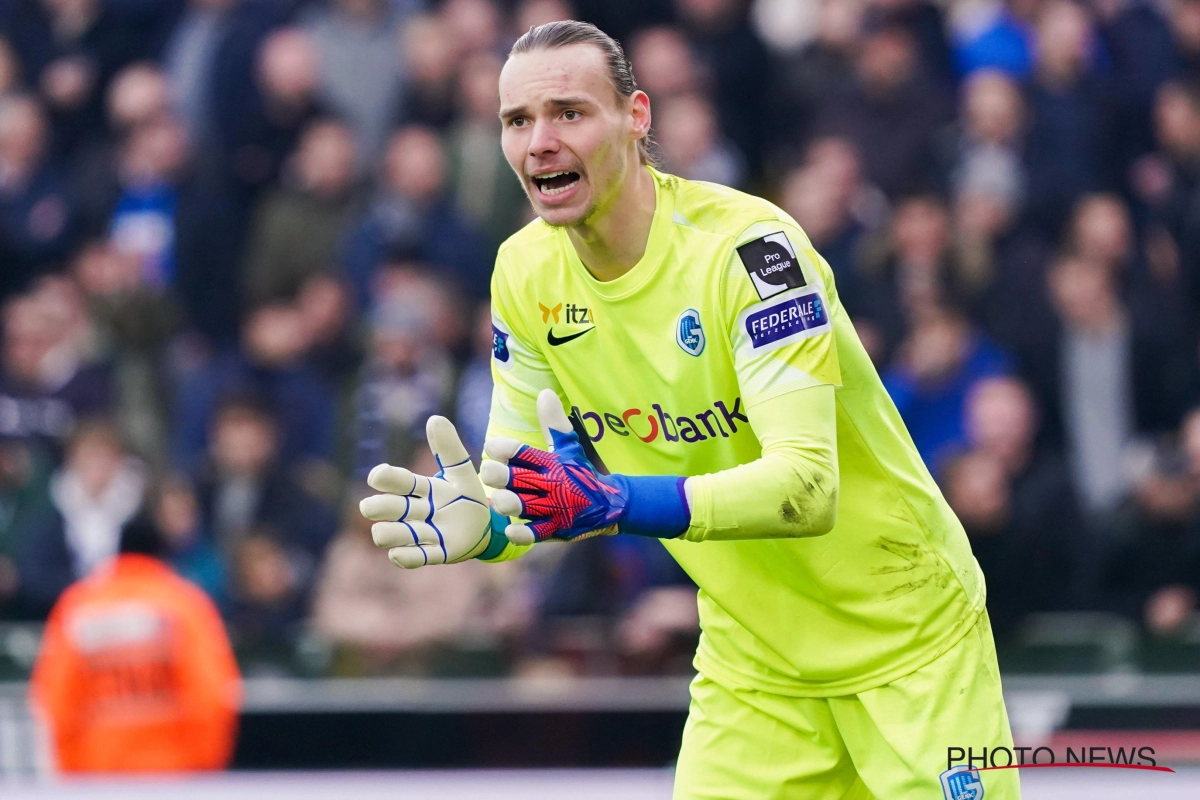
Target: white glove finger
[395,480]
[410,557]
[401,534]
[493,474]
[507,503]
[392,507]
[452,456]
[551,415]
[520,534]
[501,448]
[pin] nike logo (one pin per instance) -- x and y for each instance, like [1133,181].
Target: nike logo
[555,341]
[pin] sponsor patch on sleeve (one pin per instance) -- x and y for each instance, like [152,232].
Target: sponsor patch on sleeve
[772,324]
[772,264]
[502,344]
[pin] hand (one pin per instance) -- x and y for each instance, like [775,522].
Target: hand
[559,491]
[423,520]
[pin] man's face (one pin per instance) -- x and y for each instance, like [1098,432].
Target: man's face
[567,134]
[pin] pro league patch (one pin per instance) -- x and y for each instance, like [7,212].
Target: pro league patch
[772,264]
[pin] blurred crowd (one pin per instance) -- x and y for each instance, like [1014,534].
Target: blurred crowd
[245,248]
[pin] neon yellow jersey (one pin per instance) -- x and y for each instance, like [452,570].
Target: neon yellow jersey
[730,307]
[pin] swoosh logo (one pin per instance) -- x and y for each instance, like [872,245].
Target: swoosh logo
[555,341]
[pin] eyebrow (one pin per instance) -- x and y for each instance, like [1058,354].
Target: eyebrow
[557,102]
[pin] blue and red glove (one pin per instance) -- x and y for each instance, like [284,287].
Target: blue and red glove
[563,496]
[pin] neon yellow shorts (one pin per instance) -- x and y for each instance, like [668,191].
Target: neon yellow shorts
[888,743]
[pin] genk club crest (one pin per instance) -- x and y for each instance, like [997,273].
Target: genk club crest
[962,782]
[688,333]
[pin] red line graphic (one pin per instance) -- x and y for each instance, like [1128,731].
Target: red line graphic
[1076,764]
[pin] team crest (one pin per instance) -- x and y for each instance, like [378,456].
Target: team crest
[962,782]
[688,333]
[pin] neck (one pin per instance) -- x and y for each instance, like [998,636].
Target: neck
[612,241]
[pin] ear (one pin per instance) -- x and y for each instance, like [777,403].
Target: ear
[639,112]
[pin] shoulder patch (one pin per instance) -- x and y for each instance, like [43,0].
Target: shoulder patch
[772,264]
[799,315]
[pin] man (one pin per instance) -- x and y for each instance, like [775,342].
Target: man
[136,673]
[701,343]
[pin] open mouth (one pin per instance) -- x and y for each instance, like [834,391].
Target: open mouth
[554,183]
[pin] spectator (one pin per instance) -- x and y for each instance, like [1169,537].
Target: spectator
[815,75]
[135,672]
[936,368]
[430,69]
[357,38]
[473,401]
[36,214]
[10,69]
[408,375]
[891,115]
[269,529]
[474,26]
[664,63]
[412,217]
[257,141]
[272,365]
[46,383]
[531,13]
[134,322]
[24,495]
[1069,146]
[1170,182]
[187,545]
[99,489]
[693,147]
[297,230]
[359,592]
[1016,502]
[727,47]
[1184,18]
[486,191]
[997,35]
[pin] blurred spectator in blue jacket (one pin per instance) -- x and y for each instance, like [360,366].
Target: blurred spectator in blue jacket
[272,365]
[98,489]
[936,368]
[37,219]
[996,35]
[298,229]
[413,218]
[430,71]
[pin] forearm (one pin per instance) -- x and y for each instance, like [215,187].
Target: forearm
[790,491]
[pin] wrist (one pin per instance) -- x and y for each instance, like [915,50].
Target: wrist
[657,505]
[497,540]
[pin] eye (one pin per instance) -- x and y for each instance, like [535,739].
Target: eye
[517,122]
[570,115]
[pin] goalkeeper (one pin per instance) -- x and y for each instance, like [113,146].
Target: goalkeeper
[698,339]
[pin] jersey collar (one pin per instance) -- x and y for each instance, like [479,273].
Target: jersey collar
[656,248]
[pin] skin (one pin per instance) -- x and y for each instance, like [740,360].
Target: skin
[560,111]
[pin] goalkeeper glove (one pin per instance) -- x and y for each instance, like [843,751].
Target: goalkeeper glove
[562,495]
[434,520]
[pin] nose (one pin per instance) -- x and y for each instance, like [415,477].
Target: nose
[544,139]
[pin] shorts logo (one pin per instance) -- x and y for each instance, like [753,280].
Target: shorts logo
[500,350]
[772,264]
[796,317]
[961,782]
[688,333]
